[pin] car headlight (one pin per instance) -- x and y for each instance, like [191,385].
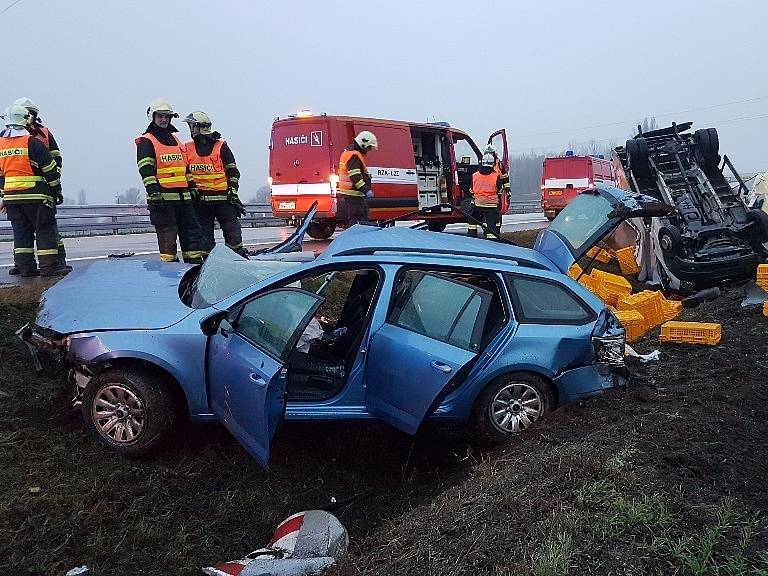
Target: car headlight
[609,349]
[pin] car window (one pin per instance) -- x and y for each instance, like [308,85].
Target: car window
[582,218]
[541,302]
[275,320]
[441,308]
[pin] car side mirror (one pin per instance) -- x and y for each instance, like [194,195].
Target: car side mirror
[210,325]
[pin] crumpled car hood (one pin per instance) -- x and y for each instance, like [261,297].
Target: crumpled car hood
[115,295]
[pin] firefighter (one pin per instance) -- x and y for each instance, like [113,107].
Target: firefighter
[162,163]
[213,168]
[499,169]
[31,188]
[487,188]
[354,188]
[42,133]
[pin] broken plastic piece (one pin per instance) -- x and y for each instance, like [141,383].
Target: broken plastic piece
[651,357]
[77,571]
[121,254]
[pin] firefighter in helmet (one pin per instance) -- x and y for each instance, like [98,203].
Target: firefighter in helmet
[499,169]
[486,196]
[213,168]
[354,187]
[162,161]
[42,133]
[31,188]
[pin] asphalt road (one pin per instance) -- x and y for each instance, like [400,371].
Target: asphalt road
[85,249]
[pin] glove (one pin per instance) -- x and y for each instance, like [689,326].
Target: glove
[369,194]
[195,195]
[59,199]
[234,199]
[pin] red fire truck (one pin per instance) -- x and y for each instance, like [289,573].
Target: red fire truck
[565,177]
[416,166]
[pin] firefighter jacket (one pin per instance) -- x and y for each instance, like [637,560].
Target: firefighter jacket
[212,166]
[499,169]
[354,179]
[486,187]
[28,172]
[162,162]
[46,137]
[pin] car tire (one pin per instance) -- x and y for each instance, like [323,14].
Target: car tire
[141,402]
[637,156]
[708,145]
[527,396]
[321,230]
[434,226]
[670,240]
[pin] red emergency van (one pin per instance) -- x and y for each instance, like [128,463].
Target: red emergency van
[565,177]
[416,166]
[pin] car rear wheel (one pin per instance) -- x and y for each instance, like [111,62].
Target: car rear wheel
[637,155]
[321,230]
[511,404]
[130,411]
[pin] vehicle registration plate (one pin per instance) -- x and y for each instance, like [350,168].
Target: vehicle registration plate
[287,205]
[555,192]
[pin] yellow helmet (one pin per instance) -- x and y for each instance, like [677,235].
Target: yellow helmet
[367,140]
[201,119]
[160,105]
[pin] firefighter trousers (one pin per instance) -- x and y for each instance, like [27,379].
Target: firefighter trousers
[226,214]
[173,219]
[352,209]
[491,217]
[33,222]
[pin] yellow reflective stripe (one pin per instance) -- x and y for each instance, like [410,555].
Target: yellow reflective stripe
[49,167]
[20,197]
[145,162]
[149,180]
[23,179]
[210,195]
[171,179]
[54,182]
[354,172]
[171,196]
[234,179]
[52,252]
[14,152]
[360,184]
[23,250]
[172,170]
[208,176]
[193,254]
[55,153]
[228,166]
[168,257]
[350,193]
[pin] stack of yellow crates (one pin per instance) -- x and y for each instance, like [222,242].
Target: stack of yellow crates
[627,261]
[633,322]
[762,276]
[648,303]
[599,254]
[610,287]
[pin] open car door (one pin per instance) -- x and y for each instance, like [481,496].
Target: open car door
[589,218]
[294,241]
[246,364]
[430,339]
[499,141]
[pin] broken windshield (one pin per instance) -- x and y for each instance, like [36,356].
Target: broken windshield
[582,218]
[225,272]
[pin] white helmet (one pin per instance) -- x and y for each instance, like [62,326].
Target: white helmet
[160,105]
[16,115]
[201,119]
[367,140]
[490,149]
[27,103]
[488,159]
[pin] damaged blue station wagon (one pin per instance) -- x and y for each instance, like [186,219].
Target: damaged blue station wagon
[390,323]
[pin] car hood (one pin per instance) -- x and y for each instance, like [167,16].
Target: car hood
[115,295]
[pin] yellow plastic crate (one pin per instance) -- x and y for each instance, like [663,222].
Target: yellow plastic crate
[671,309]
[599,254]
[627,261]
[691,332]
[762,270]
[575,271]
[610,287]
[648,303]
[765,308]
[633,322]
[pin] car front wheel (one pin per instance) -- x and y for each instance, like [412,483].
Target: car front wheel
[511,404]
[131,411]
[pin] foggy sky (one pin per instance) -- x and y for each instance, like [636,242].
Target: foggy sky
[550,72]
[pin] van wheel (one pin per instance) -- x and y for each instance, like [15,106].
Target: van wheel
[131,411]
[434,226]
[321,230]
[510,405]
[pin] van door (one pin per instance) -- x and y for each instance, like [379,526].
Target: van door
[393,171]
[499,141]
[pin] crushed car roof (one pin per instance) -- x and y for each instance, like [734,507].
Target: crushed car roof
[361,240]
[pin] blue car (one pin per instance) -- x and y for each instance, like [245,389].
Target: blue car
[389,323]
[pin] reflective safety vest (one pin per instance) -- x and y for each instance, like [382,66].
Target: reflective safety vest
[345,185]
[208,171]
[44,135]
[17,169]
[170,162]
[484,189]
